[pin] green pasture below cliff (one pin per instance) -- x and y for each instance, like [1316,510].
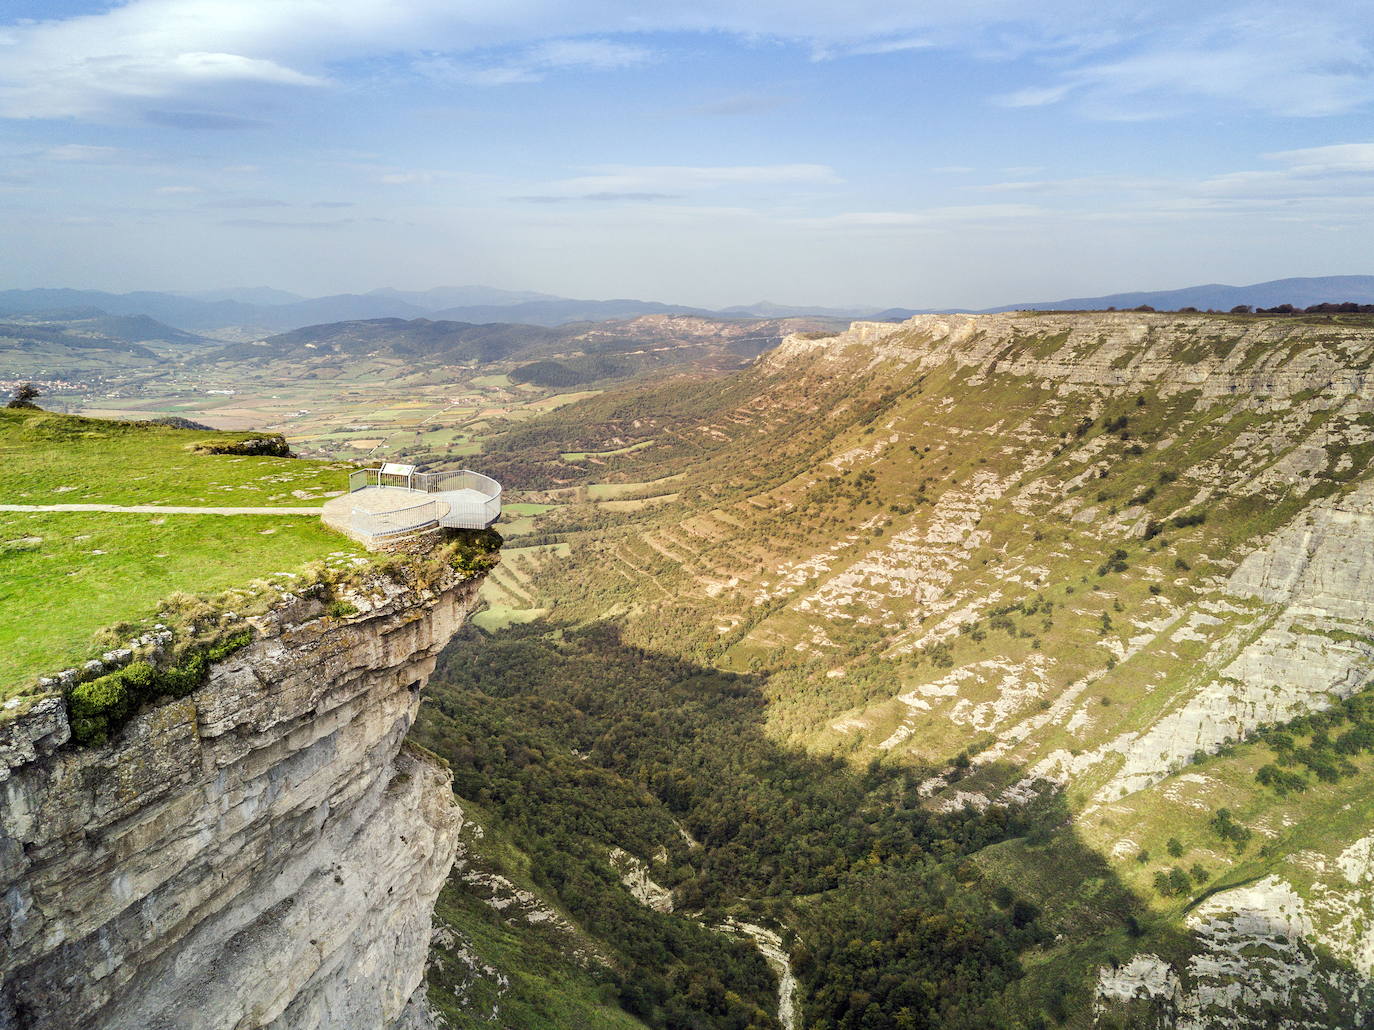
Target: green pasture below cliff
[66,575]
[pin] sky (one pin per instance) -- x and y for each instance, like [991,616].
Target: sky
[718,152]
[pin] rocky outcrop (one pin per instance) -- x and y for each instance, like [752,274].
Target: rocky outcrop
[262,853]
[634,874]
[1146,989]
[1323,560]
[1264,957]
[1264,615]
[1286,632]
[1310,646]
[770,946]
[272,445]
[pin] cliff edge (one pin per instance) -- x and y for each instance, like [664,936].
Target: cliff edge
[264,852]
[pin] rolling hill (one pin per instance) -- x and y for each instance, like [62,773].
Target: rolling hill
[569,354]
[83,343]
[192,313]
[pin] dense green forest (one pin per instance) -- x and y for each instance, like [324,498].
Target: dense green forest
[575,743]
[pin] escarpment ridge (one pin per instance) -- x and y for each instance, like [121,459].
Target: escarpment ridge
[264,852]
[1100,351]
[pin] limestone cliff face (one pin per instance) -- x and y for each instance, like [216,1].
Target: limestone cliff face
[261,853]
[1089,353]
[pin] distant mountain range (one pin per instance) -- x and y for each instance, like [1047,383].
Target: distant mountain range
[94,323]
[437,299]
[1300,293]
[220,309]
[272,310]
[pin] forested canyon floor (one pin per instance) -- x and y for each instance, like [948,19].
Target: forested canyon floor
[1052,632]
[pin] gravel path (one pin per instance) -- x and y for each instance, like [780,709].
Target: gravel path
[158,509]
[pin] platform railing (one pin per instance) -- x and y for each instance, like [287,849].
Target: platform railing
[425,482]
[471,514]
[382,525]
[460,479]
[363,478]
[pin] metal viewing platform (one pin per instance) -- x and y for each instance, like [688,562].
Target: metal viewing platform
[393,502]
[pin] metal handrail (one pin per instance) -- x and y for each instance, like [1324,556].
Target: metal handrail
[381,524]
[452,510]
[425,482]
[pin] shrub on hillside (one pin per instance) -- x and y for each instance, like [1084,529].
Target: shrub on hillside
[96,707]
[1282,782]
[270,446]
[475,551]
[1225,826]
[1116,562]
[24,396]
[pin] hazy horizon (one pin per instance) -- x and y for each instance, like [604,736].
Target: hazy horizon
[955,155]
[257,294]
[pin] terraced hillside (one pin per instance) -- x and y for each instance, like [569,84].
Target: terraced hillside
[1124,562]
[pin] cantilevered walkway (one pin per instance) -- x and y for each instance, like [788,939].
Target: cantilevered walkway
[394,502]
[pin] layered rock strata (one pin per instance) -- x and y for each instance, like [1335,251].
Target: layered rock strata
[261,853]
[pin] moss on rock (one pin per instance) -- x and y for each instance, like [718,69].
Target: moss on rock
[99,708]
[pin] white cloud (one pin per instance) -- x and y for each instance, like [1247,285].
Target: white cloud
[1296,60]
[1082,185]
[933,217]
[587,53]
[231,67]
[874,48]
[534,63]
[79,152]
[1337,158]
[412,177]
[172,191]
[1283,56]
[674,179]
[1036,96]
[1313,182]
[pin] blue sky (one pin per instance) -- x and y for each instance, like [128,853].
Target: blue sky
[914,154]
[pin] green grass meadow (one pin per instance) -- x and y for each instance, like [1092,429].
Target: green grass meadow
[47,458]
[66,575]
